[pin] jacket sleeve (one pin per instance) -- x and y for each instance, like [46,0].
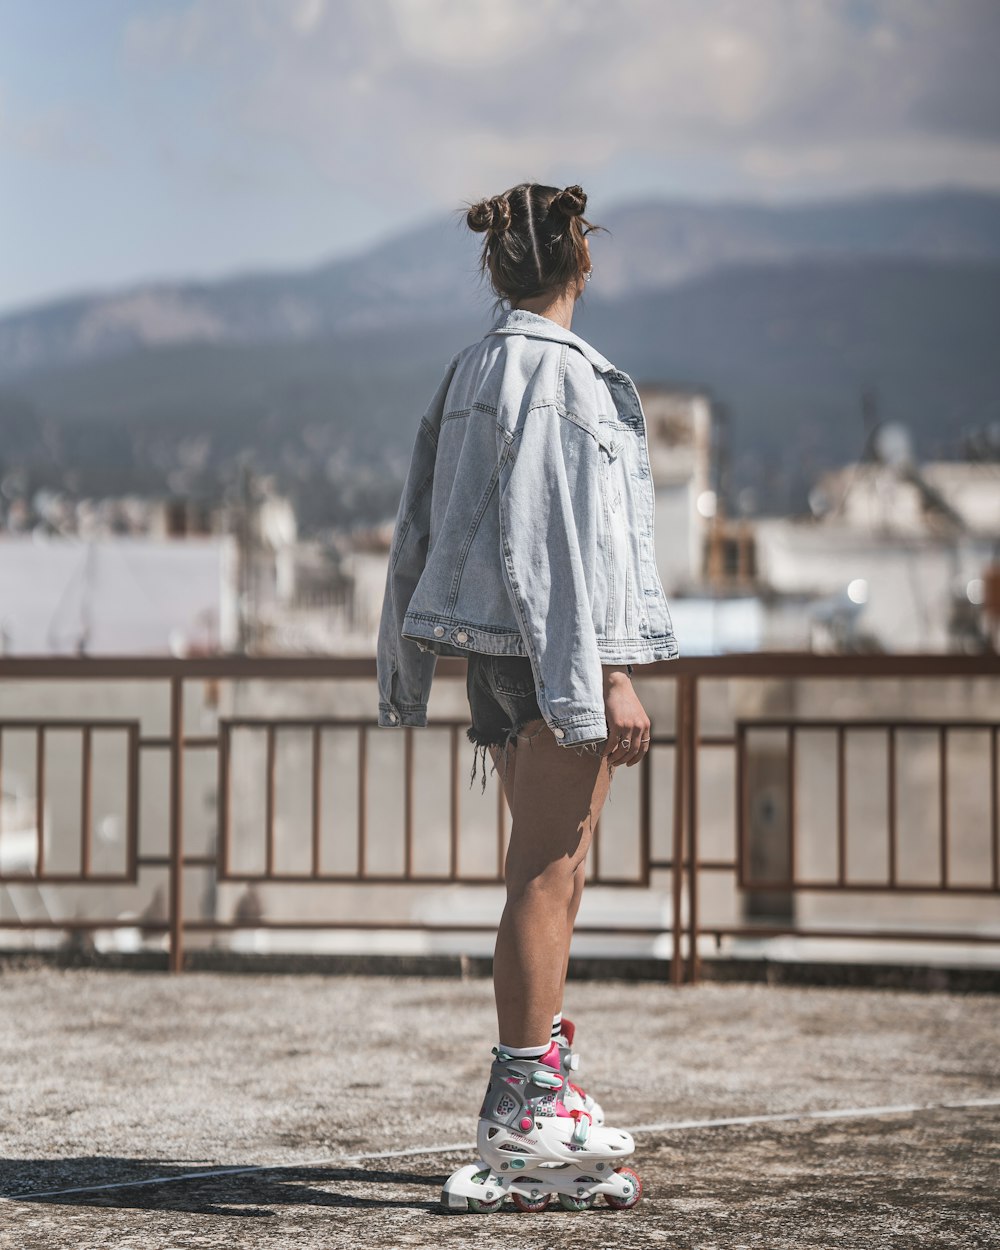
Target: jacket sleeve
[405,670]
[549,500]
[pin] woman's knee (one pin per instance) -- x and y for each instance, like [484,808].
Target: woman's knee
[558,882]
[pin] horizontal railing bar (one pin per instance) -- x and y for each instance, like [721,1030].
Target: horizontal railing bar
[415,926]
[56,723]
[627,882]
[157,925]
[320,722]
[190,861]
[847,722]
[861,935]
[210,926]
[66,878]
[231,926]
[709,865]
[866,887]
[199,741]
[305,878]
[735,664]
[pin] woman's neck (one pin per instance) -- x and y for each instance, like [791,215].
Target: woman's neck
[559,310]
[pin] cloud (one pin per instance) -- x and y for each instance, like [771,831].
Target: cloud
[51,134]
[451,97]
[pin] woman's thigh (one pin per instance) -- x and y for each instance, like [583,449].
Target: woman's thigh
[556,795]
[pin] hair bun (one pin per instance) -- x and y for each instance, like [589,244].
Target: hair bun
[490,214]
[571,201]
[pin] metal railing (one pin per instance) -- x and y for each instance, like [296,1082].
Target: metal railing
[686,740]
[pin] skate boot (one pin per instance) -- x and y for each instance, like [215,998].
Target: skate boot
[532,1147]
[573,1095]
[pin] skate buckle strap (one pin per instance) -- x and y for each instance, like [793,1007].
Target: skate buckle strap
[546,1079]
[581,1131]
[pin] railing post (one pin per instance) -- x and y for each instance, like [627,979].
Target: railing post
[176,957]
[677,851]
[691,787]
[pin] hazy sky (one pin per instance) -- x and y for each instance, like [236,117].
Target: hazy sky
[193,138]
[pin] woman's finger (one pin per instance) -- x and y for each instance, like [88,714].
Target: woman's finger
[613,748]
[633,751]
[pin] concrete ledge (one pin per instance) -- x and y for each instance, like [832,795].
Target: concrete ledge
[921,977]
[927,977]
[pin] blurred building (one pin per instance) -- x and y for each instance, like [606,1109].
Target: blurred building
[892,556]
[116,595]
[679,429]
[891,561]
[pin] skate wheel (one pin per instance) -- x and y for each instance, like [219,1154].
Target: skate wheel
[531,1204]
[623,1204]
[484,1206]
[481,1207]
[569,1203]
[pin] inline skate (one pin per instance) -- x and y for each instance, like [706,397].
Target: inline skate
[573,1095]
[532,1147]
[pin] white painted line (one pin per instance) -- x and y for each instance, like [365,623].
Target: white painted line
[669,1126]
[838,1113]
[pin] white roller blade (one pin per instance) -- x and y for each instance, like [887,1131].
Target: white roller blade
[534,1147]
[573,1095]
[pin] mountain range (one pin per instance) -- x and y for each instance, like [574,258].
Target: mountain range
[785,315]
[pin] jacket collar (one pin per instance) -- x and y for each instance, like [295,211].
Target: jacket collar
[521,321]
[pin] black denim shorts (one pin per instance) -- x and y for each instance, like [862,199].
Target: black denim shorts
[502,700]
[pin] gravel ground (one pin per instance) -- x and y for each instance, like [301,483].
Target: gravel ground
[114,1078]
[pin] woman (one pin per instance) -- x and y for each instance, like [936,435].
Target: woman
[524,541]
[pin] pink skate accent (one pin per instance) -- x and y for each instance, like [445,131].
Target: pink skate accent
[526,1123]
[551,1057]
[568,1030]
[561,1108]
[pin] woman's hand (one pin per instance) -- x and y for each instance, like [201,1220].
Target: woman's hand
[626,717]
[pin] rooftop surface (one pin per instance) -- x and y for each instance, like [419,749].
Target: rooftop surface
[147,1111]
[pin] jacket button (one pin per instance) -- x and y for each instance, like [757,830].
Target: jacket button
[393,717]
[462,636]
[559,733]
[439,630]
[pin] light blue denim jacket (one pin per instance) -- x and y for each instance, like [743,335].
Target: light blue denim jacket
[525,527]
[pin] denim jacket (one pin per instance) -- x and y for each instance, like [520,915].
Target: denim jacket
[525,527]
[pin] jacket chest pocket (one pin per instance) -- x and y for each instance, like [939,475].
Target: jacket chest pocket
[619,616]
[611,444]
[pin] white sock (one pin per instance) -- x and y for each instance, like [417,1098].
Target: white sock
[525,1052]
[557,1024]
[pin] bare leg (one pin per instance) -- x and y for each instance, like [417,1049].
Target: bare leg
[557,795]
[578,883]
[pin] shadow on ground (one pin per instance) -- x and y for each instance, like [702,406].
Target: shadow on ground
[148,1186]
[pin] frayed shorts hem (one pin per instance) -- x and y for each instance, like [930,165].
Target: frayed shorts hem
[507,738]
[503,739]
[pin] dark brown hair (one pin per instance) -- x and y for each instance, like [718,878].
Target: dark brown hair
[534,239]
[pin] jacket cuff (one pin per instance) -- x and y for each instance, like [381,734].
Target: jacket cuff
[580,731]
[391,717]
